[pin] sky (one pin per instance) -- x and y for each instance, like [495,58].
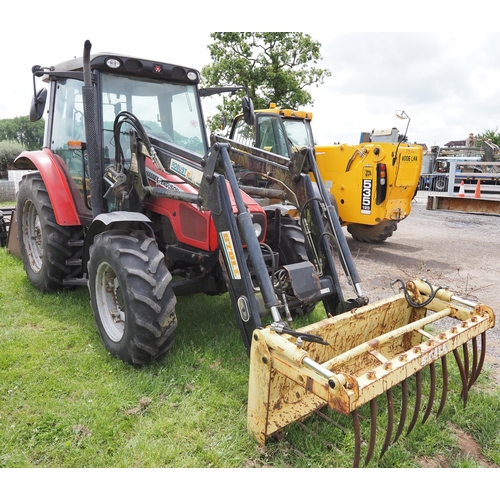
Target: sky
[446,81]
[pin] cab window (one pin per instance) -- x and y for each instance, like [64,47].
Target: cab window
[68,125]
[243,133]
[270,135]
[166,110]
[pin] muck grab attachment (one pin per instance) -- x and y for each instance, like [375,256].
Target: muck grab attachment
[364,353]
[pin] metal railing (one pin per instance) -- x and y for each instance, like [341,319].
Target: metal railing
[468,172]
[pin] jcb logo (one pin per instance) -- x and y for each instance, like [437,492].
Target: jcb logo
[366,191]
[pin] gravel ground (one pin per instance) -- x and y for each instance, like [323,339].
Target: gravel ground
[457,249]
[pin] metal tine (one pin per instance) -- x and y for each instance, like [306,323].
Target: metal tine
[329,445]
[373,430]
[330,420]
[444,392]
[279,436]
[390,422]
[466,360]
[432,392]
[473,375]
[357,438]
[481,359]
[404,409]
[418,400]
[464,394]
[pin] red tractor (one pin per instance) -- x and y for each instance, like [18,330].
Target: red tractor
[129,198]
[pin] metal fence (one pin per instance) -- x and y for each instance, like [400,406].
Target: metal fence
[450,182]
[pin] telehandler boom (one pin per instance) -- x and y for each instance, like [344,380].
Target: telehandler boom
[129,198]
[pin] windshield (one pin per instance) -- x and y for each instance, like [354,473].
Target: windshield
[298,132]
[166,110]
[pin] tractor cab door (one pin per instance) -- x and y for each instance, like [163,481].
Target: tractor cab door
[67,133]
[270,135]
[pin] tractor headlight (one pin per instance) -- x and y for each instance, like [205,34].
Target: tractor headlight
[113,63]
[258,229]
[259,224]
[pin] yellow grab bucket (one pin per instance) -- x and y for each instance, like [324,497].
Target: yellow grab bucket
[369,351]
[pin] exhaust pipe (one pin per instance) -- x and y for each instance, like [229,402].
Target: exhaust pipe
[92,133]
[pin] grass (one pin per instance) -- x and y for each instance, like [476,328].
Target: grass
[65,402]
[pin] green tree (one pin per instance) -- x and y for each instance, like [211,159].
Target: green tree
[276,67]
[492,135]
[9,150]
[21,129]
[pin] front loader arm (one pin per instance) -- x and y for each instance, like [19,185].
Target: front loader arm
[322,227]
[234,230]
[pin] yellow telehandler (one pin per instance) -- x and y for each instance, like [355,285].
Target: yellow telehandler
[372,183]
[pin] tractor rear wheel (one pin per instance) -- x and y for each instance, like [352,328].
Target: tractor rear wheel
[131,295]
[373,234]
[47,249]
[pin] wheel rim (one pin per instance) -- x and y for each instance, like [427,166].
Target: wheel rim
[32,236]
[109,300]
[440,184]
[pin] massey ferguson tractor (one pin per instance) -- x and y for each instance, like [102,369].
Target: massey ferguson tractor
[129,198]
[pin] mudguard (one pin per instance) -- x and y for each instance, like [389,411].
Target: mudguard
[55,181]
[114,220]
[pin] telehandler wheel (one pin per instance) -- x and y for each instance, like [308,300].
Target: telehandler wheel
[131,295]
[45,246]
[292,249]
[373,234]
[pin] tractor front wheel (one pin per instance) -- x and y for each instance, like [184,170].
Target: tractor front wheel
[373,234]
[131,295]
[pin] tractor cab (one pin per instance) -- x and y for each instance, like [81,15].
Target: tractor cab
[163,97]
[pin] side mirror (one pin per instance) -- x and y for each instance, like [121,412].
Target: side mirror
[248,112]
[38,105]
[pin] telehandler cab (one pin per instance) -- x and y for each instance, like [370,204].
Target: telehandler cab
[129,198]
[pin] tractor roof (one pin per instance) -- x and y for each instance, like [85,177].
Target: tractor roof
[132,66]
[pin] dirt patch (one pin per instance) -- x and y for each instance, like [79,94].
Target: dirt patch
[468,449]
[437,462]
